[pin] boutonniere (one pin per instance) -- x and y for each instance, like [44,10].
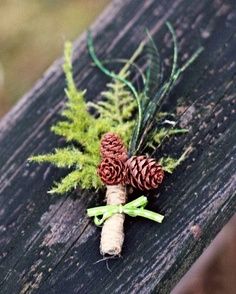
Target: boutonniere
[110,143]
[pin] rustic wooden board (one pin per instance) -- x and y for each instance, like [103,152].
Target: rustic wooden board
[47,243]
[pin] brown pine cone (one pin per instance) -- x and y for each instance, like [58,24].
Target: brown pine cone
[143,173]
[112,171]
[112,146]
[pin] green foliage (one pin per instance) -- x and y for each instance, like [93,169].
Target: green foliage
[169,164]
[147,131]
[153,97]
[62,157]
[133,114]
[165,133]
[77,123]
[118,105]
[79,126]
[149,101]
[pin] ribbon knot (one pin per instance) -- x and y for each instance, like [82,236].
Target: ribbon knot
[133,209]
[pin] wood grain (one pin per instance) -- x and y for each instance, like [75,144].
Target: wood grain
[47,243]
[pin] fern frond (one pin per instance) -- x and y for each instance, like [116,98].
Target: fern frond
[62,157]
[81,127]
[118,106]
[116,99]
[67,183]
[67,67]
[78,119]
[125,81]
[84,178]
[119,102]
[66,130]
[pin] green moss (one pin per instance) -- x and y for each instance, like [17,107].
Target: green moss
[169,164]
[115,114]
[165,133]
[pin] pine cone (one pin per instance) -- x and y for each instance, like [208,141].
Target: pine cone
[112,171]
[143,173]
[112,146]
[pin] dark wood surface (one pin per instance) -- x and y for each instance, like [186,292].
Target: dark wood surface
[47,243]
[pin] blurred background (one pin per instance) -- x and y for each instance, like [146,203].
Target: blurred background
[32,34]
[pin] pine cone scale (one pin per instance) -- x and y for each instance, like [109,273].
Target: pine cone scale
[143,173]
[111,171]
[112,146]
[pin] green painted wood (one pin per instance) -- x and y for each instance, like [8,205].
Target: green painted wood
[47,244]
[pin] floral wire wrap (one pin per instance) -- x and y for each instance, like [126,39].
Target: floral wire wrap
[133,208]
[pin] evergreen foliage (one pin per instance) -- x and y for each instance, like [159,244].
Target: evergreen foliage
[155,91]
[132,114]
[118,104]
[79,126]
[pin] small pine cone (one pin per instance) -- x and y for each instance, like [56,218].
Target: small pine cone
[112,171]
[143,173]
[112,146]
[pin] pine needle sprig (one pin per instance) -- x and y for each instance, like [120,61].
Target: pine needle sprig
[154,72]
[141,136]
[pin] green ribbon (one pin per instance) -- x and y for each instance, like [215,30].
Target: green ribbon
[133,208]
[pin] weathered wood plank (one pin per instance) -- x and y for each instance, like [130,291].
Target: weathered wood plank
[47,243]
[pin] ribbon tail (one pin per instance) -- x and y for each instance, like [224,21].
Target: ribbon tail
[154,216]
[100,210]
[139,202]
[99,221]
